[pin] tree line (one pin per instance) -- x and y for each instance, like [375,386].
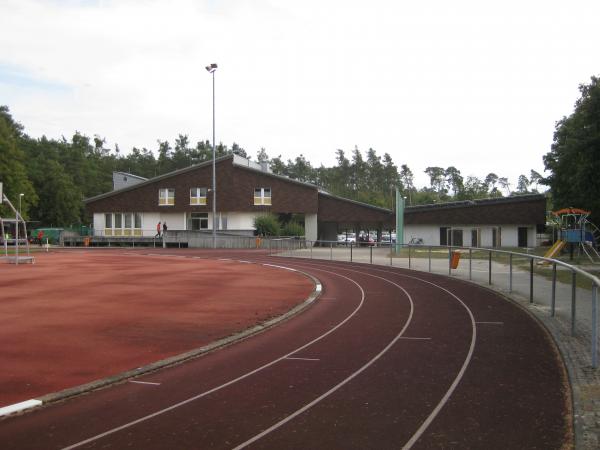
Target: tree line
[55,175]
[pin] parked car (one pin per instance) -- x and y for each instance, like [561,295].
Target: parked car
[365,240]
[346,238]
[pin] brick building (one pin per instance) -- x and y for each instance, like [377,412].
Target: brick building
[246,189]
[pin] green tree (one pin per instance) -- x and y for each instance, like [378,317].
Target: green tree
[454,179]
[534,179]
[261,155]
[60,199]
[267,225]
[407,178]
[437,179]
[574,158]
[13,166]
[523,185]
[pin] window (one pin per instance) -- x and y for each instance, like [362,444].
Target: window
[166,197]
[262,196]
[198,221]
[137,224]
[108,224]
[118,224]
[198,196]
[123,224]
[127,228]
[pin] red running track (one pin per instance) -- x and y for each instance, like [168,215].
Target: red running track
[386,358]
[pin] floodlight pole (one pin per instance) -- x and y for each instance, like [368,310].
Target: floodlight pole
[211,69]
[17,231]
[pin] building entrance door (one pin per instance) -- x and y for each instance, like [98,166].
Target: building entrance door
[522,236]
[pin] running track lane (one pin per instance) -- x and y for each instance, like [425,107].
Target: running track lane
[382,375]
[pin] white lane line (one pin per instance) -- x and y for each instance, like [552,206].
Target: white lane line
[144,382]
[305,359]
[415,437]
[417,338]
[279,267]
[490,323]
[235,380]
[343,382]
[19,406]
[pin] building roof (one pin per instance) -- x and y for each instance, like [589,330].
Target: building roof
[516,210]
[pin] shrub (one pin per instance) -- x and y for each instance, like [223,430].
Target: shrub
[293,229]
[267,225]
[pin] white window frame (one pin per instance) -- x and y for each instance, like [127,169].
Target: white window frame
[201,216]
[262,196]
[166,197]
[129,224]
[198,196]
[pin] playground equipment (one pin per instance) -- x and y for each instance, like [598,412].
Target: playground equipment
[575,229]
[18,227]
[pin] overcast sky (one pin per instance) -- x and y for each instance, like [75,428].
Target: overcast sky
[474,84]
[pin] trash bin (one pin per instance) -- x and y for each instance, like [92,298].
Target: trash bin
[258,242]
[454,260]
[86,241]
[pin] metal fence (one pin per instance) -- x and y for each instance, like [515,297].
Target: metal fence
[184,239]
[565,291]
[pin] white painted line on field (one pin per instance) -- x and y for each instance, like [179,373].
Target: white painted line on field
[304,359]
[144,382]
[244,262]
[490,323]
[19,407]
[225,259]
[280,267]
[416,338]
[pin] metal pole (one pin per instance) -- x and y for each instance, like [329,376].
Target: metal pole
[594,326]
[490,268]
[430,258]
[311,251]
[17,232]
[409,259]
[573,299]
[510,272]
[470,264]
[212,69]
[531,280]
[553,304]
[391,261]
[449,261]
[331,251]
[371,254]
[350,251]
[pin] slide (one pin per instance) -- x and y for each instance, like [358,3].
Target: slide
[555,249]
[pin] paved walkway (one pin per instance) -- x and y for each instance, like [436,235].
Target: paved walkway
[576,349]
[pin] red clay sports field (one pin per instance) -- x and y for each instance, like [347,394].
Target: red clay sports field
[382,358]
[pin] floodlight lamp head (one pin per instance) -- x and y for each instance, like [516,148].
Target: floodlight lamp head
[211,68]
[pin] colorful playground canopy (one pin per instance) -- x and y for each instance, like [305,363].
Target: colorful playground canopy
[560,212]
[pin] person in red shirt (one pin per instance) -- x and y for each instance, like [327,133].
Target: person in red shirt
[158,229]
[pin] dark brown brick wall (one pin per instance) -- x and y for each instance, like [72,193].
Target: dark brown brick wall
[333,209]
[235,192]
[510,211]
